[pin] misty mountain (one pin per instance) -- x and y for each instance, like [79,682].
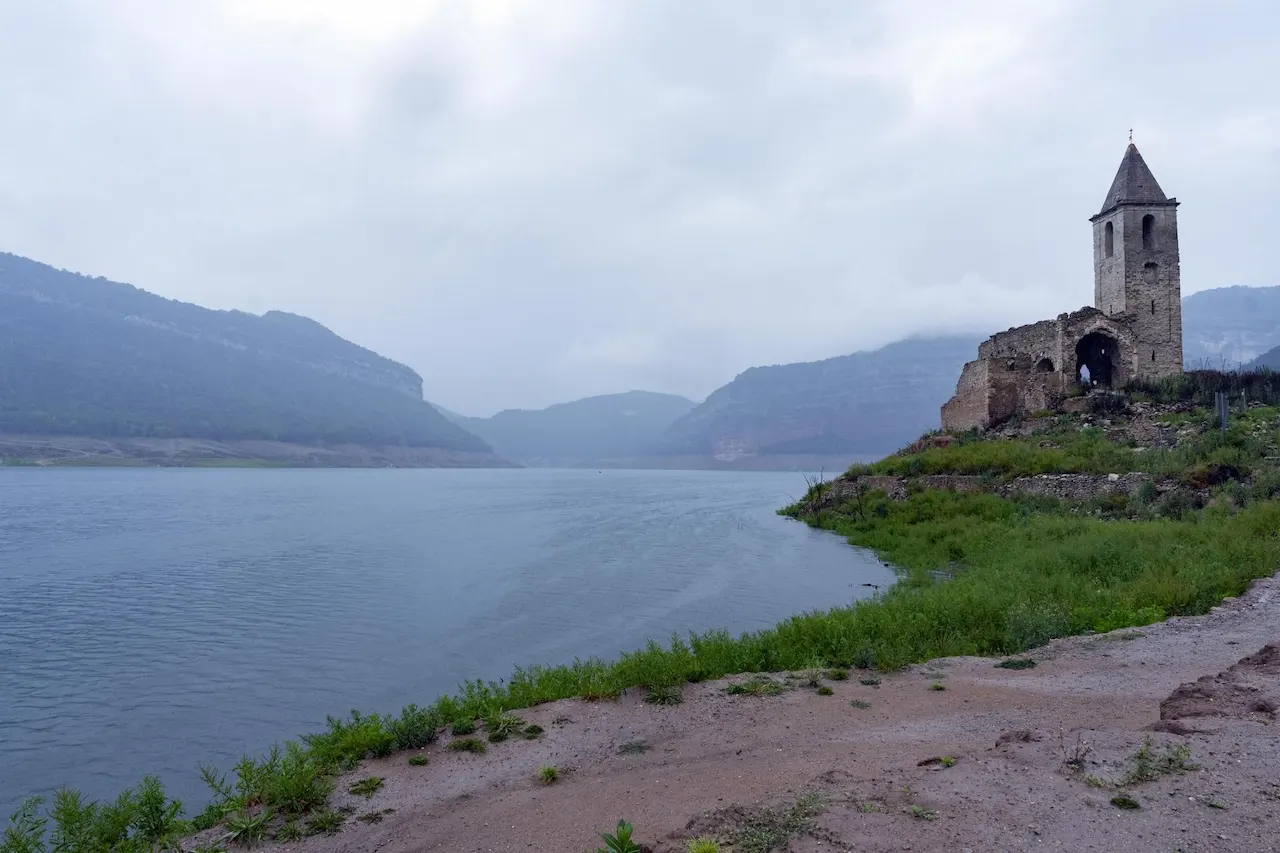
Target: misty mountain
[84,356]
[1269,359]
[850,405]
[584,432]
[1229,326]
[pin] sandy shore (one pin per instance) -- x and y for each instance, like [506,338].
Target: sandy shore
[712,762]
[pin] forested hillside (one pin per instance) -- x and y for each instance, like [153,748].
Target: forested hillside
[89,357]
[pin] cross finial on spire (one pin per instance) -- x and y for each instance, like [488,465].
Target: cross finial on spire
[1131,136]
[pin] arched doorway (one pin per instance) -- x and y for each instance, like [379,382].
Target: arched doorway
[1099,354]
[1044,365]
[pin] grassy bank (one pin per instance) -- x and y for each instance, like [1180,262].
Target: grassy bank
[982,575]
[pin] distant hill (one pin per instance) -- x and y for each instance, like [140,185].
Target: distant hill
[591,431]
[89,357]
[853,405]
[1229,326]
[1269,359]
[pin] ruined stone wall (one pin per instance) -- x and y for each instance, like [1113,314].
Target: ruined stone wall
[967,409]
[1078,324]
[1036,341]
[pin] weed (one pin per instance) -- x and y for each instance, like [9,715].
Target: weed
[1214,804]
[371,817]
[500,725]
[665,694]
[417,760]
[1076,755]
[1146,765]
[245,829]
[838,674]
[703,844]
[289,832]
[937,685]
[326,821]
[462,727]
[620,841]
[467,744]
[860,703]
[869,682]
[864,658]
[533,731]
[1096,781]
[772,829]
[922,813]
[1122,801]
[367,787]
[824,691]
[1017,663]
[25,833]
[759,685]
[548,774]
[870,807]
[634,747]
[948,761]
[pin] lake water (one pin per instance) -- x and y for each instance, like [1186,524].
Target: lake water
[151,619]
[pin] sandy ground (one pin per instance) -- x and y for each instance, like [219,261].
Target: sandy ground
[716,760]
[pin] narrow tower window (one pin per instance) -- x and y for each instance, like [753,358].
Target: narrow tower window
[1153,355]
[1109,240]
[1149,273]
[1148,232]
[1153,307]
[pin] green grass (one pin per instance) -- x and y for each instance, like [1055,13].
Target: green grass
[1066,448]
[665,694]
[548,774]
[326,821]
[824,691]
[417,761]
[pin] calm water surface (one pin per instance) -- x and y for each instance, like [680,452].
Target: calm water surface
[151,620]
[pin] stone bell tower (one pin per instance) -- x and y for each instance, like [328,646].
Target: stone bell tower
[1136,266]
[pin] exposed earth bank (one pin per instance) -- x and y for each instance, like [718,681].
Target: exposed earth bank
[201,452]
[999,760]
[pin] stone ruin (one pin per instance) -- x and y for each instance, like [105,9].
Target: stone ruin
[1132,332]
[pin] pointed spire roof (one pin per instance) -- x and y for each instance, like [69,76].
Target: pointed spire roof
[1134,183]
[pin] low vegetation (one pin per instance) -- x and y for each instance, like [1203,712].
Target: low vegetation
[548,774]
[980,574]
[619,841]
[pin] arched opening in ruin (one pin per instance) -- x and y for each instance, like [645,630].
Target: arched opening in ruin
[1097,356]
[1149,272]
[1044,365]
[1148,232]
[1109,240]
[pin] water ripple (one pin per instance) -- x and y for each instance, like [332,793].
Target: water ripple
[151,620]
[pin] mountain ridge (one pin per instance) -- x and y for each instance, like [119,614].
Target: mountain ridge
[89,357]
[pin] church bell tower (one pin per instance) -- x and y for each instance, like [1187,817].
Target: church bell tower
[1136,266]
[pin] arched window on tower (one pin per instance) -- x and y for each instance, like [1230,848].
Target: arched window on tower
[1108,240]
[1149,271]
[1148,232]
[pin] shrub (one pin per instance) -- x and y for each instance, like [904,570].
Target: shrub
[246,829]
[824,691]
[548,774]
[416,727]
[417,760]
[347,741]
[463,727]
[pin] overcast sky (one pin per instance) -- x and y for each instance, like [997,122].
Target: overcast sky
[530,202]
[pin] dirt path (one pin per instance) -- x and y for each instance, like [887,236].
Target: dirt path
[713,761]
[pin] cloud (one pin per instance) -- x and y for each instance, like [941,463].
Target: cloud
[529,202]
